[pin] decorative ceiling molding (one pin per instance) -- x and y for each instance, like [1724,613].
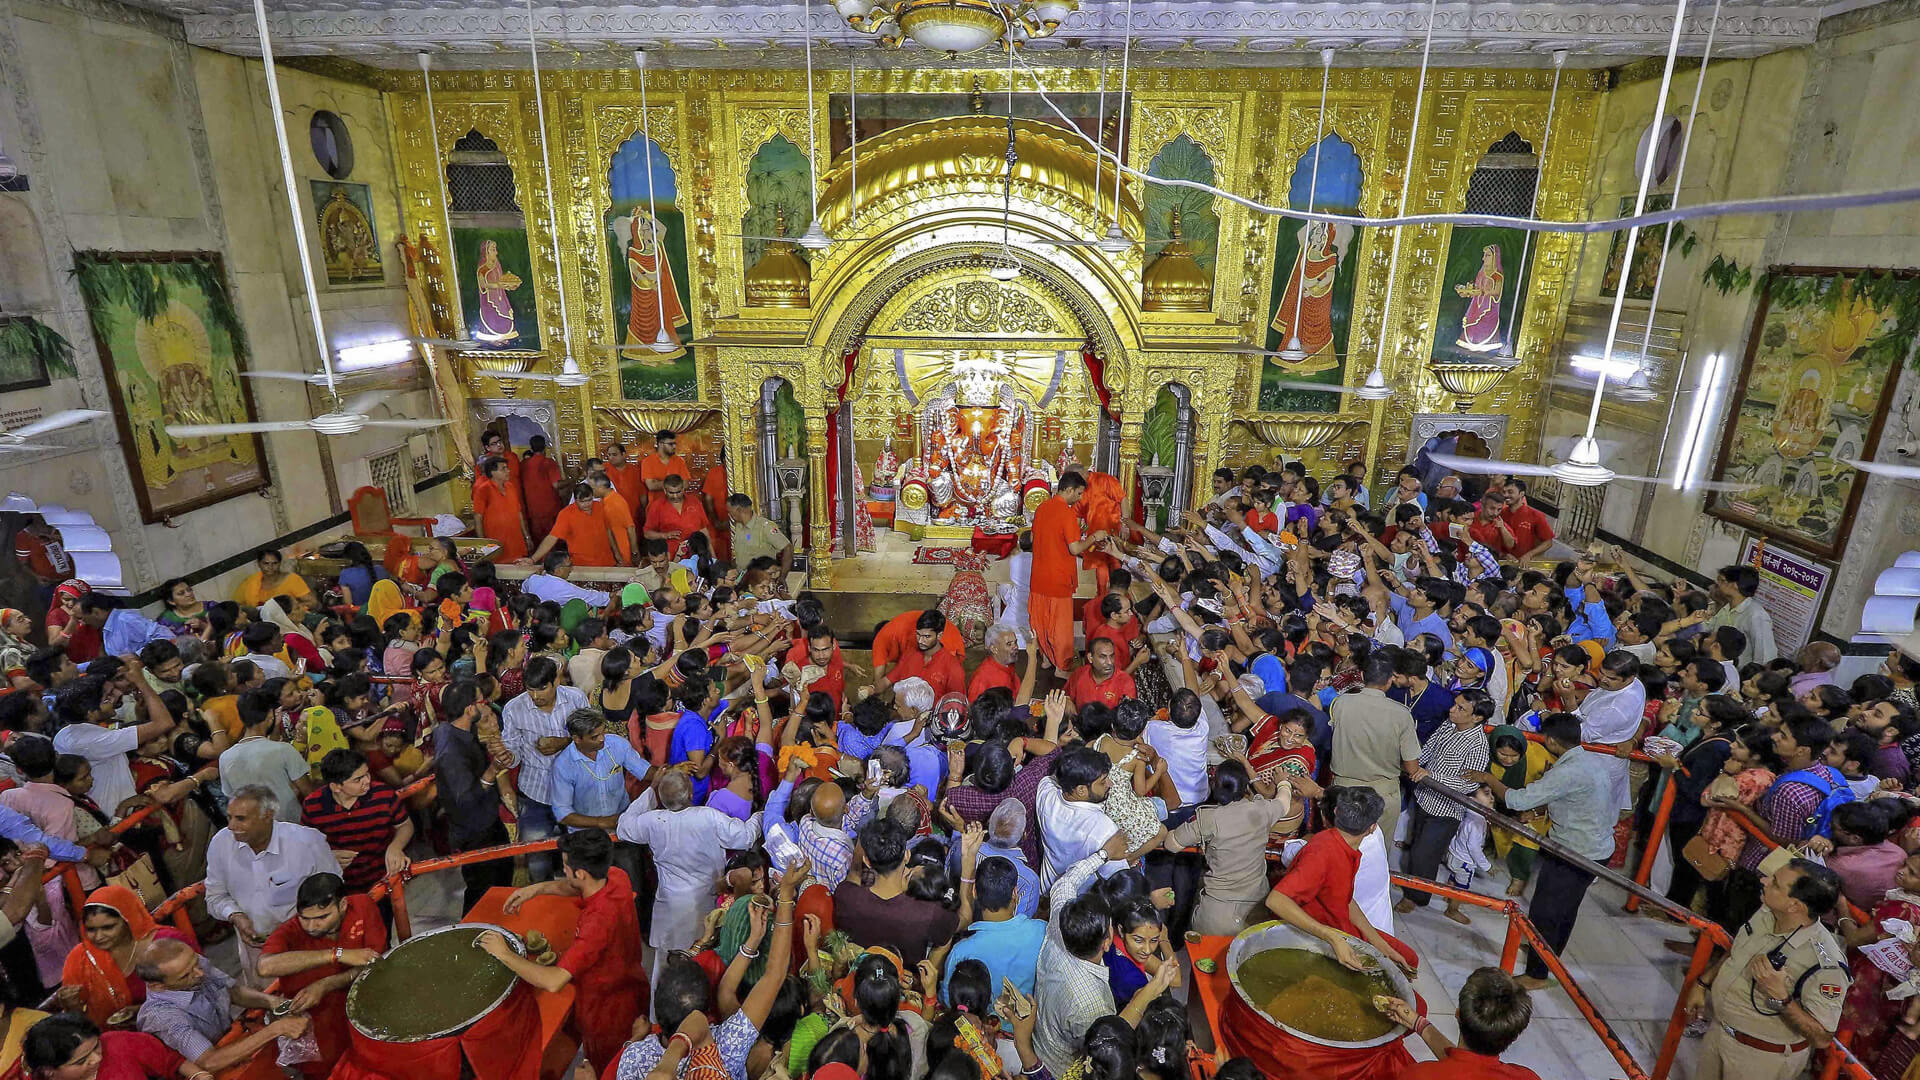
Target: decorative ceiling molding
[754,33]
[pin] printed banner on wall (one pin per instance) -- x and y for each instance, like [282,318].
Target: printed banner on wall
[1792,590]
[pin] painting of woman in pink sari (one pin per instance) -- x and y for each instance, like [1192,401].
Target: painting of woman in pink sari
[1480,324]
[494,282]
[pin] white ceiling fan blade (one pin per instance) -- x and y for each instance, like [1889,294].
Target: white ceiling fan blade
[455,345]
[6,447]
[415,424]
[1703,485]
[289,376]
[1486,466]
[1300,384]
[196,431]
[65,418]
[1884,468]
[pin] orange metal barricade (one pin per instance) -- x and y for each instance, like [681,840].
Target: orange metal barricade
[1662,814]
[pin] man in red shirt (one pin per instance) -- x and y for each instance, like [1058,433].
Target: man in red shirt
[1100,679]
[1489,527]
[604,959]
[540,483]
[822,651]
[902,634]
[929,659]
[1532,534]
[1057,544]
[316,955]
[586,528]
[1316,893]
[662,463]
[1494,1010]
[674,517]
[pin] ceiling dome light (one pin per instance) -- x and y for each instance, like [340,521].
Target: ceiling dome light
[1115,242]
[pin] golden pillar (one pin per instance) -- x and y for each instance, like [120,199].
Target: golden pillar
[820,544]
[1129,461]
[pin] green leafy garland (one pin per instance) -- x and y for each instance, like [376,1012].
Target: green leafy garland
[1892,291]
[144,285]
[23,336]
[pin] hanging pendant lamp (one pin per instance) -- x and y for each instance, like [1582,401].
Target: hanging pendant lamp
[1115,241]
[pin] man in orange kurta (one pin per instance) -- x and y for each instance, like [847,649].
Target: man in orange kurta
[1057,544]
[625,474]
[625,525]
[900,637]
[540,478]
[674,516]
[586,527]
[1100,511]
[662,463]
[494,444]
[496,505]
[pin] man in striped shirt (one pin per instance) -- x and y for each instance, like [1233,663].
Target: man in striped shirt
[359,815]
[1459,747]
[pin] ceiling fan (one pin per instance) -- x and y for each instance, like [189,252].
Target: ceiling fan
[349,415]
[16,440]
[1883,468]
[1581,468]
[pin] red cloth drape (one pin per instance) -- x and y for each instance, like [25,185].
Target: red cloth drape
[1097,374]
[1245,1033]
[504,1045]
[833,434]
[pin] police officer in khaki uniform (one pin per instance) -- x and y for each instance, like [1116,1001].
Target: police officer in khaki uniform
[1777,994]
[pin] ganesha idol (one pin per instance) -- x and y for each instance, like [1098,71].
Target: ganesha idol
[976,467]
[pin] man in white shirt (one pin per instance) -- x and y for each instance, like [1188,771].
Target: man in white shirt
[1072,825]
[1182,739]
[534,726]
[690,845]
[86,708]
[552,584]
[254,869]
[1070,985]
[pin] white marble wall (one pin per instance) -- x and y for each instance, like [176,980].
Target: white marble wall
[134,140]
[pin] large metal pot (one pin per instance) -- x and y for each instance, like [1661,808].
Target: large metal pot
[400,950]
[1278,935]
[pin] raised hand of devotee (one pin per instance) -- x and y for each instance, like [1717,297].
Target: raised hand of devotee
[756,923]
[810,934]
[243,925]
[795,873]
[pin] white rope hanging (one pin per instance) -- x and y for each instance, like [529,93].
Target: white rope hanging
[1768,204]
[1099,132]
[293,197]
[1633,231]
[1115,242]
[1294,351]
[1376,379]
[1506,352]
[567,366]
[661,342]
[425,60]
[1639,382]
[815,238]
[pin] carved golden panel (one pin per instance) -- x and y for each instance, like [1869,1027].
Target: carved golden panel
[976,307]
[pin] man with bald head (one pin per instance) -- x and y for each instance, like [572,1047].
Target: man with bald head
[254,869]
[822,837]
[190,1004]
[690,845]
[1816,660]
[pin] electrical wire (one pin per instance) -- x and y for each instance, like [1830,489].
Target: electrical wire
[1533,207]
[293,196]
[661,343]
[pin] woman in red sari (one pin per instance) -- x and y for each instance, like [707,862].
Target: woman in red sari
[64,626]
[1868,1011]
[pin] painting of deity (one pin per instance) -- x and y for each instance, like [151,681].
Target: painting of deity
[1646,252]
[1182,159]
[644,219]
[173,348]
[1482,295]
[349,247]
[491,256]
[1315,268]
[777,180]
[1820,369]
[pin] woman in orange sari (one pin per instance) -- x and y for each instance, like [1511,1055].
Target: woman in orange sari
[1101,511]
[98,978]
[496,505]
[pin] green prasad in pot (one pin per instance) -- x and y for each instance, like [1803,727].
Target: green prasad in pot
[1313,994]
[429,984]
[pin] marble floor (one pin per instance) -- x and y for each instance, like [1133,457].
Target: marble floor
[1618,960]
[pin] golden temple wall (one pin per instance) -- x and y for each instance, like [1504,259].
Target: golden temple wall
[1252,124]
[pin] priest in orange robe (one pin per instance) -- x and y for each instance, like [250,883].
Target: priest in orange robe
[675,517]
[1100,510]
[540,479]
[625,474]
[496,505]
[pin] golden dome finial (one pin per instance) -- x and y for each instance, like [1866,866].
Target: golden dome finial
[781,278]
[1175,281]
